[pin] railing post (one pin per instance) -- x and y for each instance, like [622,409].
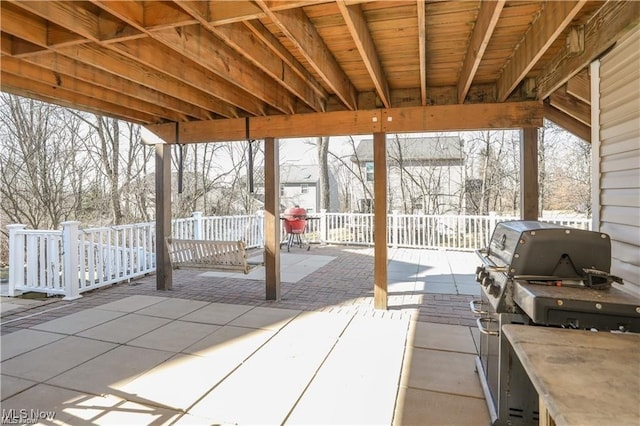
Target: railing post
[16,257]
[260,219]
[198,226]
[323,227]
[394,228]
[71,269]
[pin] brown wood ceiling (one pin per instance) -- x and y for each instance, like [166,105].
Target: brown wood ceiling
[178,61]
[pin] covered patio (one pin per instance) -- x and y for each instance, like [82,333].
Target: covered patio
[306,359]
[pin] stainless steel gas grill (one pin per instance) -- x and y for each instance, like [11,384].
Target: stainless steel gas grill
[540,274]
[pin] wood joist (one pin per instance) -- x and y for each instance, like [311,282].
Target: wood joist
[190,61]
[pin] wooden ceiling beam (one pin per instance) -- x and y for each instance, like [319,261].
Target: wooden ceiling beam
[260,55]
[33,73]
[28,27]
[567,122]
[357,26]
[229,99]
[574,107]
[14,84]
[305,37]
[422,48]
[488,16]
[212,55]
[340,123]
[602,31]
[553,20]
[225,62]
[579,86]
[120,65]
[259,31]
[63,65]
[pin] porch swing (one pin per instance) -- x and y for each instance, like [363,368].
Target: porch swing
[224,256]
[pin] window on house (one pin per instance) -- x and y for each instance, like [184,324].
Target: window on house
[304,188]
[368,167]
[282,190]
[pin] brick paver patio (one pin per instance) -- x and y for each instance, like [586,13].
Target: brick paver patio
[424,285]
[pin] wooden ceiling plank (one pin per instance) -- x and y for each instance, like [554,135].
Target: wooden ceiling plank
[224,61]
[259,30]
[157,56]
[553,20]
[579,86]
[241,38]
[222,12]
[567,122]
[60,64]
[6,44]
[602,31]
[161,15]
[422,48]
[56,80]
[66,14]
[14,84]
[305,37]
[488,17]
[340,123]
[357,26]
[259,54]
[118,64]
[25,26]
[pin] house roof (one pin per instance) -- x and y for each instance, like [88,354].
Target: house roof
[189,62]
[419,149]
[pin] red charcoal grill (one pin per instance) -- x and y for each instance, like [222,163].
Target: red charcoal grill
[295,224]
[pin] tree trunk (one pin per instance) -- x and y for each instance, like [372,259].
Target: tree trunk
[323,154]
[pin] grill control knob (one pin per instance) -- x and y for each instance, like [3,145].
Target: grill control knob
[481,274]
[487,281]
[494,290]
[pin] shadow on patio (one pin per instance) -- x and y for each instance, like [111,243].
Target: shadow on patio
[212,350]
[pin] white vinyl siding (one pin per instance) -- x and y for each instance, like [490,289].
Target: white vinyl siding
[619,157]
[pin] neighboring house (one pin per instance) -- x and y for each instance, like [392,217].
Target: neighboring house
[300,186]
[426,175]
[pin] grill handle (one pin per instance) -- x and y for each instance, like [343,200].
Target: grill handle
[484,330]
[476,307]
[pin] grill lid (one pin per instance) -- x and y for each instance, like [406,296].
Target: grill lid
[542,249]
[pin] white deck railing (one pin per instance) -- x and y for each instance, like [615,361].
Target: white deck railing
[73,260]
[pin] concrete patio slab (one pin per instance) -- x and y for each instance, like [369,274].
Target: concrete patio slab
[217,313]
[132,303]
[285,365]
[241,358]
[80,321]
[25,340]
[172,308]
[174,336]
[230,344]
[67,407]
[110,372]
[446,337]
[353,386]
[267,318]
[159,383]
[441,371]
[422,407]
[12,385]
[124,329]
[48,361]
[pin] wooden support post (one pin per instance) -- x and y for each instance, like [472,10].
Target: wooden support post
[272,218]
[164,276]
[380,220]
[529,173]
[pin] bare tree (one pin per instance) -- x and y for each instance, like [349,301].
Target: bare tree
[41,170]
[323,164]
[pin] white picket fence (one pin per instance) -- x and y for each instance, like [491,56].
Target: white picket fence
[71,261]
